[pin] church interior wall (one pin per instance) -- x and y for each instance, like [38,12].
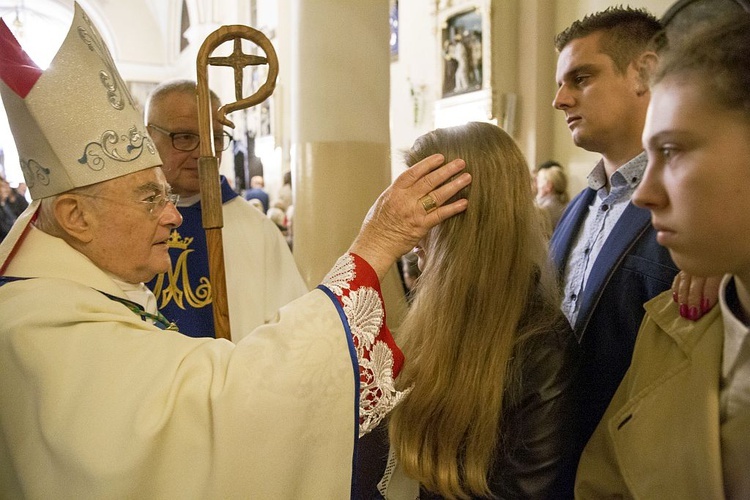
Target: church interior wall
[144,36]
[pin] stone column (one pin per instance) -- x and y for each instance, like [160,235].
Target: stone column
[340,85]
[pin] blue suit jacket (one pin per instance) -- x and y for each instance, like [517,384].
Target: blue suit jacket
[631,269]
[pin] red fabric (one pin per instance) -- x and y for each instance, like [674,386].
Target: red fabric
[366,276]
[17,69]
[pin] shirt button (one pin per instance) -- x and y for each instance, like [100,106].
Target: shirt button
[573,297]
[605,208]
[586,251]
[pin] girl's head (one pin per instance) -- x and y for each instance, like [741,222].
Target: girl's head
[501,203]
[485,285]
[697,135]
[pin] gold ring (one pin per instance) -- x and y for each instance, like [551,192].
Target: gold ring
[428,202]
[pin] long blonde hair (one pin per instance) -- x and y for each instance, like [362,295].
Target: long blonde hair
[486,272]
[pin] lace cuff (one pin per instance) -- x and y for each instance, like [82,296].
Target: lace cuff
[357,288]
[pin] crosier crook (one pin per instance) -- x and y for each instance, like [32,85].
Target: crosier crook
[208,164]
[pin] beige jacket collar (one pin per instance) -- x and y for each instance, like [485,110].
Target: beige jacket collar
[666,434]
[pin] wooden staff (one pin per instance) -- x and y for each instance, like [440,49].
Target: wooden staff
[208,164]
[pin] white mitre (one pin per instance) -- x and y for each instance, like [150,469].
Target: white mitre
[75,123]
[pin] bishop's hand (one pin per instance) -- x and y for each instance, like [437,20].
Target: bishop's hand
[404,213]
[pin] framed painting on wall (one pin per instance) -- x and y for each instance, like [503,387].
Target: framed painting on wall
[462,53]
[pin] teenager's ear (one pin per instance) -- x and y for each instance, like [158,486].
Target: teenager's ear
[645,65]
[73,217]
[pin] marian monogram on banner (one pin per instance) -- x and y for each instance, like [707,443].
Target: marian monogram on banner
[176,283]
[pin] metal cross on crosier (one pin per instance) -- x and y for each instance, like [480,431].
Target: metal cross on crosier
[208,164]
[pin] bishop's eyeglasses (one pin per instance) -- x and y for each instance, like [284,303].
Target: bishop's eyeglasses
[187,141]
[155,203]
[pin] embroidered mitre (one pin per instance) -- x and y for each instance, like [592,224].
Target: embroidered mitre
[75,123]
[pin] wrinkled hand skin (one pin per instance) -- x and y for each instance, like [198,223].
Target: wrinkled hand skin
[397,220]
[695,295]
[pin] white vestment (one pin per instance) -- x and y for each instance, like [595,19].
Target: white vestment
[97,403]
[258,262]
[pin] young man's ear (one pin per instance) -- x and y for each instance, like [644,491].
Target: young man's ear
[645,65]
[73,217]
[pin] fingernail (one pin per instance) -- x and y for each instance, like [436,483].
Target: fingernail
[705,305]
[684,310]
[674,296]
[694,313]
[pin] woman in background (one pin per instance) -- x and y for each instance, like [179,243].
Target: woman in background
[12,204]
[552,194]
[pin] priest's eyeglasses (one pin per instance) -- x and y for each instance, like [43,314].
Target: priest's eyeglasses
[187,141]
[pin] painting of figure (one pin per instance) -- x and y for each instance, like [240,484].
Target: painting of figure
[462,53]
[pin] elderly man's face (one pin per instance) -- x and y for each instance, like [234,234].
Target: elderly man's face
[178,112]
[131,225]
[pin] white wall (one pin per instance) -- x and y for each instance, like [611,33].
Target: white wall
[143,36]
[415,77]
[528,69]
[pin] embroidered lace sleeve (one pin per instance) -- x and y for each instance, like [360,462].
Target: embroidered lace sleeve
[357,288]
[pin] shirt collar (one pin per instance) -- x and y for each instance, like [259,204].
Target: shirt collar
[138,293]
[629,174]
